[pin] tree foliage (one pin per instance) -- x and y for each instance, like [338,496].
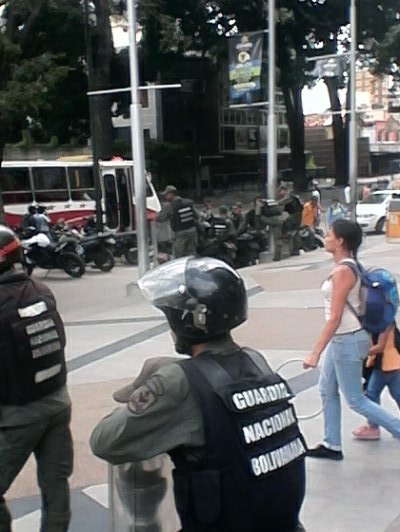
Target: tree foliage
[39,67]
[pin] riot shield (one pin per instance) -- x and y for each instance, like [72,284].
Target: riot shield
[141,496]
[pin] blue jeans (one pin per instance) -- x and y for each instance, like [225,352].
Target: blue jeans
[377,382]
[342,369]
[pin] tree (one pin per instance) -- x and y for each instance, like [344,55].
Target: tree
[100,46]
[327,32]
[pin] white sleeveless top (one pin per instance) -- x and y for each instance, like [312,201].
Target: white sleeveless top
[349,322]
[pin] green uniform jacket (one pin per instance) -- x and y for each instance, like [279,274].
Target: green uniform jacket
[162,414]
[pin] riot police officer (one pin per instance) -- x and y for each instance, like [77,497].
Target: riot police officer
[222,227]
[223,415]
[183,218]
[35,407]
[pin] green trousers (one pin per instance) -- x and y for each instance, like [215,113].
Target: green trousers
[185,243]
[50,441]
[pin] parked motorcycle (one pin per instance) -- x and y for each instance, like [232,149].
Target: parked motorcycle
[248,251]
[126,246]
[224,250]
[98,249]
[311,237]
[64,255]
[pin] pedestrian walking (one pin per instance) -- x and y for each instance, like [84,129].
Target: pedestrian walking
[35,406]
[384,362]
[223,415]
[347,344]
[183,219]
[336,211]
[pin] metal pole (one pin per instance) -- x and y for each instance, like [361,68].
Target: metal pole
[92,116]
[353,141]
[272,137]
[138,146]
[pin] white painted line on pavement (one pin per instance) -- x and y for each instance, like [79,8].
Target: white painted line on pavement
[28,522]
[98,493]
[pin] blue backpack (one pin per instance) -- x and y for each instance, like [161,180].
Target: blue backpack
[379,297]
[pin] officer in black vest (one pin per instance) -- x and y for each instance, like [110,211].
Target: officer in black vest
[35,408]
[223,415]
[183,218]
[222,226]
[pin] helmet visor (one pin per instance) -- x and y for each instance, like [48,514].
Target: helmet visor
[174,283]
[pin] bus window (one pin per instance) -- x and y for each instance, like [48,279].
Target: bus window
[81,182]
[125,200]
[15,185]
[149,192]
[50,184]
[111,201]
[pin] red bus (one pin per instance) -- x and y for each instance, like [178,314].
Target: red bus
[66,188]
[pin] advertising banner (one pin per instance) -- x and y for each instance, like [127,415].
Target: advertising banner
[245,66]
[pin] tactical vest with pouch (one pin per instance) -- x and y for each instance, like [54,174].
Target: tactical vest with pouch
[250,476]
[183,215]
[32,341]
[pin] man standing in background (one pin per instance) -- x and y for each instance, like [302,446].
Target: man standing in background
[183,219]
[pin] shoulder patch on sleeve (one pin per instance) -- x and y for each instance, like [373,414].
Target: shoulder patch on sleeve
[146,395]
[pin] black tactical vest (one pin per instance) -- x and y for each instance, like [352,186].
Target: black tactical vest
[251,476]
[219,227]
[32,341]
[183,215]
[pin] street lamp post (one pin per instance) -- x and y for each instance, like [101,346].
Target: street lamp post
[272,136]
[137,146]
[95,154]
[353,141]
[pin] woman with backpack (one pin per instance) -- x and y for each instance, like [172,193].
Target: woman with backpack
[347,344]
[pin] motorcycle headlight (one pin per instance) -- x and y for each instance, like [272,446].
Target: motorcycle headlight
[111,241]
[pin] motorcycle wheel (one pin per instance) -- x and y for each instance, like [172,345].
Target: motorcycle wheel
[72,264]
[131,256]
[104,260]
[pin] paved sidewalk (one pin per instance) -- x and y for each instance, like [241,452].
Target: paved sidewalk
[110,334]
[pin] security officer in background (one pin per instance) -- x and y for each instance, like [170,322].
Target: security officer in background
[183,219]
[292,211]
[223,415]
[238,218]
[222,226]
[35,408]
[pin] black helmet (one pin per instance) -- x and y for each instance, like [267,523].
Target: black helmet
[202,297]
[10,249]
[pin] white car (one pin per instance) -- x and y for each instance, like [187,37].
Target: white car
[372,211]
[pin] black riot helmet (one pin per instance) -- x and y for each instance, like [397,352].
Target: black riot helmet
[10,249]
[203,298]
